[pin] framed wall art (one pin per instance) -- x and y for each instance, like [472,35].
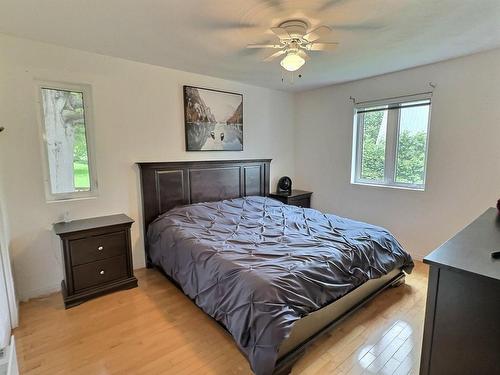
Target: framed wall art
[213,120]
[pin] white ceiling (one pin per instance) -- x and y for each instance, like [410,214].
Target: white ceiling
[209,36]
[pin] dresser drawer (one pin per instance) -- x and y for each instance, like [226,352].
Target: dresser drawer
[99,272]
[90,249]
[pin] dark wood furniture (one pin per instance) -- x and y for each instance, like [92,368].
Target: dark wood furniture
[299,198]
[170,184]
[97,256]
[462,326]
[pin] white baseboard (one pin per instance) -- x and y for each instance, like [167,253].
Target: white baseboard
[39,292]
[418,257]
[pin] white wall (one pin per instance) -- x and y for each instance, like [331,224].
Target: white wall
[138,112]
[8,302]
[463,175]
[139,117]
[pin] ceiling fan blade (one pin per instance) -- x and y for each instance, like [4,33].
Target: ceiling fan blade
[226,25]
[303,54]
[263,46]
[317,33]
[359,27]
[322,46]
[274,55]
[281,33]
[331,3]
[274,3]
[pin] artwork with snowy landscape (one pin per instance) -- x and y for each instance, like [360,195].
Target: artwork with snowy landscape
[213,120]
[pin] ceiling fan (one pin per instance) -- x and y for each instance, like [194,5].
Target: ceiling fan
[294,41]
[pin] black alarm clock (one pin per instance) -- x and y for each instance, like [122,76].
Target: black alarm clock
[284,185]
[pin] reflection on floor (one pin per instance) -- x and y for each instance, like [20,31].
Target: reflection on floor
[384,337]
[155,329]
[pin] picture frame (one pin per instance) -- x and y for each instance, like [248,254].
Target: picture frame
[213,119]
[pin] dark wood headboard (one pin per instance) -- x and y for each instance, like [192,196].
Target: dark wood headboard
[170,184]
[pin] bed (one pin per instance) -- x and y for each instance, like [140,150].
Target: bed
[276,277]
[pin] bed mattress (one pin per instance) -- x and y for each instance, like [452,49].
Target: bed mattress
[257,265]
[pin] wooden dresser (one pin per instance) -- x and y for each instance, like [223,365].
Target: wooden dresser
[462,318]
[298,198]
[97,257]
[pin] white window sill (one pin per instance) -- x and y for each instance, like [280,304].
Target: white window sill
[400,187]
[71,199]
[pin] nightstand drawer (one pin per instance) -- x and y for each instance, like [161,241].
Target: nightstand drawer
[90,249]
[300,202]
[100,272]
[97,257]
[299,198]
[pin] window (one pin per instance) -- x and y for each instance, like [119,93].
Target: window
[390,142]
[67,147]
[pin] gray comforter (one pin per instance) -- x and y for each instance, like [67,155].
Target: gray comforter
[257,265]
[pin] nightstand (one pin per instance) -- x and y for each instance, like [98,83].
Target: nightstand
[97,255]
[298,198]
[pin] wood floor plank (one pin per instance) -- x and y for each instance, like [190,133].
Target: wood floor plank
[155,329]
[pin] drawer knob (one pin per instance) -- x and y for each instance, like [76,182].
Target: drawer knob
[100,248]
[101,272]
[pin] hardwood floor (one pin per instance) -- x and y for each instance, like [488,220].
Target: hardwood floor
[155,329]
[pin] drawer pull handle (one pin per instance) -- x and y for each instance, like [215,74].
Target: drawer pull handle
[101,272]
[100,248]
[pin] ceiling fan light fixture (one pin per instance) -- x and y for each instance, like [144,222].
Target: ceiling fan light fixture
[292,62]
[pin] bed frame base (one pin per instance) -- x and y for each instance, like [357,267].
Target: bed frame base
[285,364]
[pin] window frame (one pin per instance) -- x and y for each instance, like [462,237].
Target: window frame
[86,91]
[392,142]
